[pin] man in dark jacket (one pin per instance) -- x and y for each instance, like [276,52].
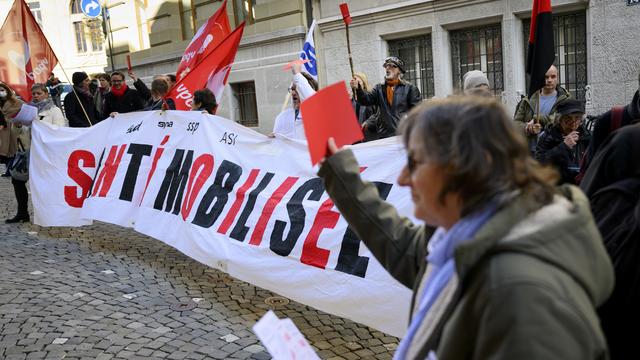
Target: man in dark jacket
[80,113]
[394,98]
[122,99]
[563,144]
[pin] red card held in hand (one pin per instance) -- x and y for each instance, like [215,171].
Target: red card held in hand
[327,114]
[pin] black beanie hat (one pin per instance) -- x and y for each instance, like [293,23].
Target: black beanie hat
[78,77]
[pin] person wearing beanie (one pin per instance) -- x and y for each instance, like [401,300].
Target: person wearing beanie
[564,143]
[122,99]
[394,98]
[475,82]
[79,107]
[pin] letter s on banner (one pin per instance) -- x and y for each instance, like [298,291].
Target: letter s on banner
[80,177]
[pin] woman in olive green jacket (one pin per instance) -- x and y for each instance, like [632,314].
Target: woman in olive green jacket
[507,266]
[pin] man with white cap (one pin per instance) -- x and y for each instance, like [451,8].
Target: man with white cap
[475,82]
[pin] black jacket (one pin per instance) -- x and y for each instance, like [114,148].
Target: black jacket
[157,105]
[405,97]
[602,127]
[129,102]
[73,110]
[552,150]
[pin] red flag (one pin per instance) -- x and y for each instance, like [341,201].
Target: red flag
[213,72]
[541,52]
[27,57]
[346,17]
[208,37]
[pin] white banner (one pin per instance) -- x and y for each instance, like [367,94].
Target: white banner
[228,197]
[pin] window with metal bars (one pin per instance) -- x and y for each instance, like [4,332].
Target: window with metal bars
[245,104]
[478,49]
[570,41]
[417,54]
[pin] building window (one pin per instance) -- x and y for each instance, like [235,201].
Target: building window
[570,34]
[418,59]
[34,6]
[245,105]
[244,10]
[478,49]
[97,35]
[81,41]
[75,7]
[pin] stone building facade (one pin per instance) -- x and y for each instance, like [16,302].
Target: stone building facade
[597,44]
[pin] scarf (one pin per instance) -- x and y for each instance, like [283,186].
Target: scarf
[442,247]
[119,92]
[84,92]
[42,105]
[391,85]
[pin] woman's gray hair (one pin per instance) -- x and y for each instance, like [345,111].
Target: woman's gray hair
[482,155]
[39,86]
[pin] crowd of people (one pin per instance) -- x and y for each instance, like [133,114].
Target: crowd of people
[512,260]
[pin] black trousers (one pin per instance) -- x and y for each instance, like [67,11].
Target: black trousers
[22,197]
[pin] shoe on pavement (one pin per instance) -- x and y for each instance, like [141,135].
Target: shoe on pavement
[17,219]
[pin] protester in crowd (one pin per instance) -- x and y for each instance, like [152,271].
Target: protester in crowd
[94,84]
[289,121]
[47,111]
[55,90]
[104,86]
[364,113]
[533,114]
[172,79]
[612,183]
[506,266]
[563,143]
[204,100]
[142,88]
[610,121]
[79,106]
[159,88]
[9,106]
[21,135]
[475,82]
[394,98]
[122,99]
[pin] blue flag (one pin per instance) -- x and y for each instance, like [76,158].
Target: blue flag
[309,53]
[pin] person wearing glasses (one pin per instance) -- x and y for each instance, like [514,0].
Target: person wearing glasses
[506,265]
[289,122]
[564,143]
[394,98]
[122,99]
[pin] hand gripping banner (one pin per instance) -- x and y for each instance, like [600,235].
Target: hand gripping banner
[228,197]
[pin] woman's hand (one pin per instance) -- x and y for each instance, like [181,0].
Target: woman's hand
[332,149]
[113,114]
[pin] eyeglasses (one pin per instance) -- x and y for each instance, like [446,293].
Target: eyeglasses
[116,81]
[390,65]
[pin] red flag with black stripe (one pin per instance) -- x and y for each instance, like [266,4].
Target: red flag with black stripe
[541,49]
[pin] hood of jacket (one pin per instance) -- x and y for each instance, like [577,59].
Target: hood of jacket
[562,233]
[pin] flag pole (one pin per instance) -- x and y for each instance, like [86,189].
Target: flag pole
[346,17]
[537,117]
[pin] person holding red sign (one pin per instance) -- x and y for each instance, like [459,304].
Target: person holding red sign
[506,266]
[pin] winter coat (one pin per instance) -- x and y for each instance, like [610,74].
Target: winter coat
[129,102]
[552,150]
[526,110]
[602,127]
[98,99]
[53,116]
[525,286]
[405,97]
[7,141]
[74,112]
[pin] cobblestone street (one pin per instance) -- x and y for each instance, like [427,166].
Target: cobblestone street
[105,292]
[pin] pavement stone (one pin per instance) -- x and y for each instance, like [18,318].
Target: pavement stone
[105,292]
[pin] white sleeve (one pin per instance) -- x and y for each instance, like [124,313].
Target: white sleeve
[57,117]
[302,86]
